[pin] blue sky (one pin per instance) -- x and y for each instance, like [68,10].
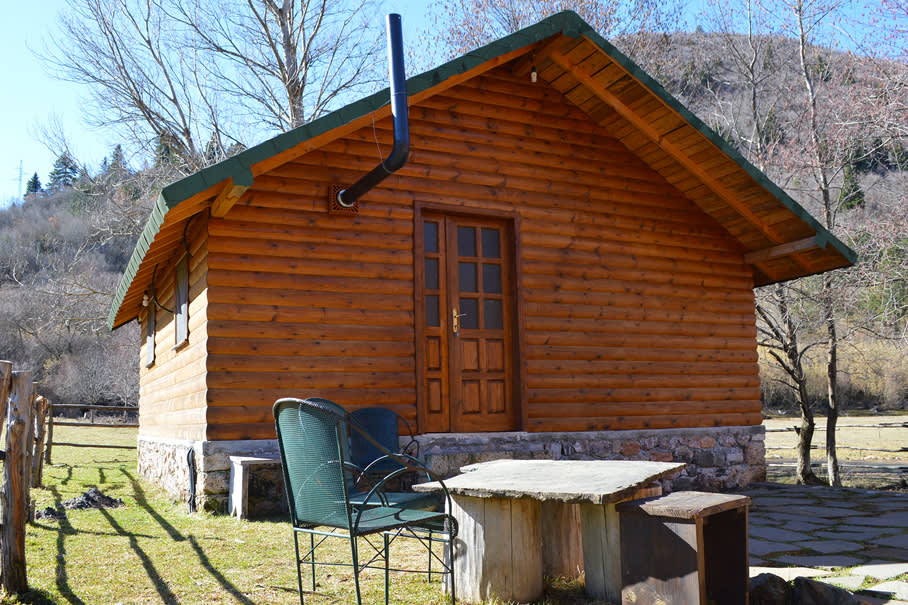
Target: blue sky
[34,97]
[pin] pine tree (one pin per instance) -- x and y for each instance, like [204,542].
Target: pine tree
[33,185]
[850,195]
[64,173]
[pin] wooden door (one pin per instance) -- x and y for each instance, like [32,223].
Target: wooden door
[465,294]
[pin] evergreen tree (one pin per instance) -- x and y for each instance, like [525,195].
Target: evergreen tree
[850,195]
[117,159]
[33,185]
[64,173]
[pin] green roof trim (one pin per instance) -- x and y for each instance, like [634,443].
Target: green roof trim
[567,23]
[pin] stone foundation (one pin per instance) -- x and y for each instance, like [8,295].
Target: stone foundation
[722,458]
[719,458]
[164,463]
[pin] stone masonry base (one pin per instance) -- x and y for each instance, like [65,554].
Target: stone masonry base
[720,458]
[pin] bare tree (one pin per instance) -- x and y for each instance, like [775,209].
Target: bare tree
[189,79]
[139,77]
[466,24]
[285,61]
[809,116]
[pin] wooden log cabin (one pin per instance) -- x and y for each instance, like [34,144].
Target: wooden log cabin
[563,268]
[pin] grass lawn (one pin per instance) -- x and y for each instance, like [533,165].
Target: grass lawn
[153,550]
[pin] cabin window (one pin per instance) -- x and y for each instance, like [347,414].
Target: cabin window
[149,337]
[181,301]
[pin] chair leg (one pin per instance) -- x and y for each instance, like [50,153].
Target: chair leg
[355,554]
[451,565]
[312,558]
[430,556]
[387,565]
[299,565]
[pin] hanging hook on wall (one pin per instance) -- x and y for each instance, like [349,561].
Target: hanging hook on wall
[185,232]
[154,295]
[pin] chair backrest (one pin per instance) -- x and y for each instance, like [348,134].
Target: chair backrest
[382,425]
[312,436]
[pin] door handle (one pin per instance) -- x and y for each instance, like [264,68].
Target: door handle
[455,321]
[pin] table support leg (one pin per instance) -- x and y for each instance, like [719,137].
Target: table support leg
[498,553]
[562,551]
[600,529]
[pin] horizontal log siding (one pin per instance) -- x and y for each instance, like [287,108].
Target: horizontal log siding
[172,400]
[638,308]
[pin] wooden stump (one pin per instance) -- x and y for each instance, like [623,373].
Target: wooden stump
[498,553]
[687,547]
[15,487]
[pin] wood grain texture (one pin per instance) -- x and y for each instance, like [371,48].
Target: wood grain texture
[634,308]
[172,391]
[499,550]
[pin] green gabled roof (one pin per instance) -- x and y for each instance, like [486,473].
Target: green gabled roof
[239,167]
[823,236]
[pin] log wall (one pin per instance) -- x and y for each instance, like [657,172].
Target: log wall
[172,400]
[637,308]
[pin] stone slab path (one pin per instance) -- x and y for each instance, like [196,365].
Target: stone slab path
[856,539]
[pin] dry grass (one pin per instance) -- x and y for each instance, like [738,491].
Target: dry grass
[864,438]
[872,451]
[873,374]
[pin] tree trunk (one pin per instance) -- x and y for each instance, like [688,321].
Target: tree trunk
[832,461]
[805,436]
[796,373]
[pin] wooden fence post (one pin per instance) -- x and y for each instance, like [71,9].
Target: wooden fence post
[28,414]
[14,493]
[6,373]
[50,432]
[40,429]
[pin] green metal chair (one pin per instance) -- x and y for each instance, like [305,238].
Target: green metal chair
[313,440]
[363,468]
[382,425]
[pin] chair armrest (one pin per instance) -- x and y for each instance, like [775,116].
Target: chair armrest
[408,464]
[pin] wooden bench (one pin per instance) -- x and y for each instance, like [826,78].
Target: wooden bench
[685,547]
[240,468]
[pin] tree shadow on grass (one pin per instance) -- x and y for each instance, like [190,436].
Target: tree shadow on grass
[160,585]
[60,575]
[175,534]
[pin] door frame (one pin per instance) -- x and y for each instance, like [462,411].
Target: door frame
[518,346]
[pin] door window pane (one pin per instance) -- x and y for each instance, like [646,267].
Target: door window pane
[466,241]
[491,245]
[469,310]
[492,314]
[430,234]
[491,278]
[467,274]
[432,315]
[432,273]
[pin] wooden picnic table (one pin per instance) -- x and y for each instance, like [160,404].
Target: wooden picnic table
[518,519]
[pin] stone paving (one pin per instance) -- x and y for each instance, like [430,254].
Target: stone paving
[856,539]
